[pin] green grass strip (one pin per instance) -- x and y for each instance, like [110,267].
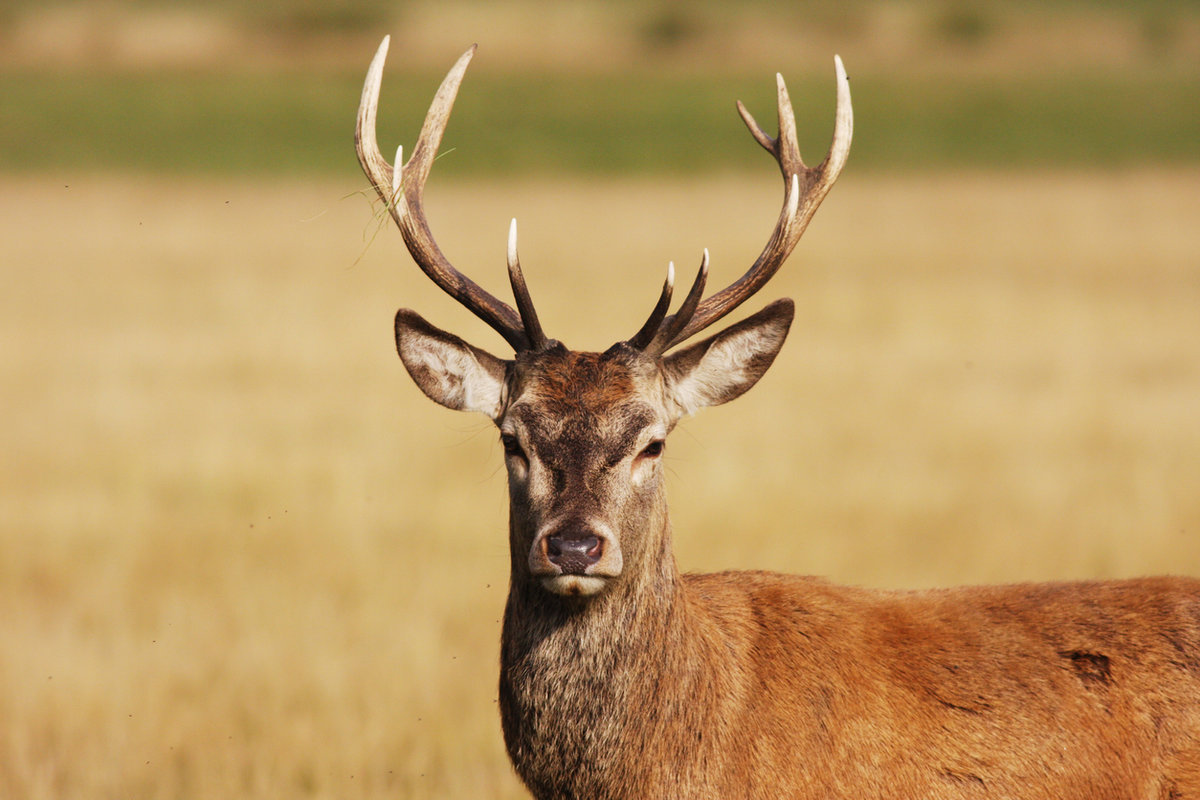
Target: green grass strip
[612,124]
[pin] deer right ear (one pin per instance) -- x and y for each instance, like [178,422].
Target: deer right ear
[447,369]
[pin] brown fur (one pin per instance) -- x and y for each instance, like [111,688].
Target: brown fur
[763,685]
[564,382]
[757,685]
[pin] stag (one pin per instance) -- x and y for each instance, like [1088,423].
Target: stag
[622,678]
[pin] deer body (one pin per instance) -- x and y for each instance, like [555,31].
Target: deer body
[746,684]
[621,678]
[761,685]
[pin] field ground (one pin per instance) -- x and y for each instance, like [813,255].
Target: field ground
[243,556]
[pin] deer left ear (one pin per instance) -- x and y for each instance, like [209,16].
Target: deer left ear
[448,370]
[725,366]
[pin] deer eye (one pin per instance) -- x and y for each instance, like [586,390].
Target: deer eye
[653,450]
[511,446]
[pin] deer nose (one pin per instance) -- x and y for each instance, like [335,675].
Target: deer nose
[573,550]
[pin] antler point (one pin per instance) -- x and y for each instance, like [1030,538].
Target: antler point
[398,172]
[382,50]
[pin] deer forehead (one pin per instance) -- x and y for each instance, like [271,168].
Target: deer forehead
[561,383]
[599,403]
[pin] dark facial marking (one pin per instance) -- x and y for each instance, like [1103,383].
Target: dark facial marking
[578,413]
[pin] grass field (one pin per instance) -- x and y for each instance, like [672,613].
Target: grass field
[588,124]
[244,557]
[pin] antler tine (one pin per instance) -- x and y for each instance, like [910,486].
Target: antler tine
[804,189]
[402,190]
[668,331]
[533,328]
[646,333]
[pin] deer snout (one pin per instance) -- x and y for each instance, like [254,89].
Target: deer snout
[574,550]
[575,557]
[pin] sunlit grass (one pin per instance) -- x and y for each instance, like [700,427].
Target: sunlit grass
[244,557]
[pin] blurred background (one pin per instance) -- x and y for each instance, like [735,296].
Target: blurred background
[241,555]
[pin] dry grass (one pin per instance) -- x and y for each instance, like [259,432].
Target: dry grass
[242,556]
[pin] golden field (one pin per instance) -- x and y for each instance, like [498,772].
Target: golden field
[242,556]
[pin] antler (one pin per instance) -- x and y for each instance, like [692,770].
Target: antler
[402,190]
[804,189]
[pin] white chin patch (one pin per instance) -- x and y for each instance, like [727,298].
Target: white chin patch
[573,585]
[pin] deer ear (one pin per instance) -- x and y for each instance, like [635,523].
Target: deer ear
[726,365]
[447,369]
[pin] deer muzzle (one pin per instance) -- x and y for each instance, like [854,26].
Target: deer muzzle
[575,557]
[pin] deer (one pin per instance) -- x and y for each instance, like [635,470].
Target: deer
[620,677]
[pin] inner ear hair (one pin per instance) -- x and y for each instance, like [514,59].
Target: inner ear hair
[449,370]
[724,366]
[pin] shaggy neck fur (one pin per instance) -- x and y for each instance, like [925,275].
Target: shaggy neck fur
[581,681]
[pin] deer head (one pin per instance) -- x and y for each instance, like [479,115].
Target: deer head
[583,433]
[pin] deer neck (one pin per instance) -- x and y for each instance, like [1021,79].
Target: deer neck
[578,675]
[635,606]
